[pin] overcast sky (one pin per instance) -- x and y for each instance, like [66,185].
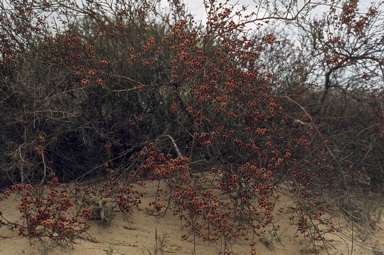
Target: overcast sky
[196,7]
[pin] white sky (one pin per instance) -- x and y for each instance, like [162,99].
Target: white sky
[196,7]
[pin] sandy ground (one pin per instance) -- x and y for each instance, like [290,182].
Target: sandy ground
[137,235]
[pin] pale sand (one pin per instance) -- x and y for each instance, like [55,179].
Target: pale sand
[137,236]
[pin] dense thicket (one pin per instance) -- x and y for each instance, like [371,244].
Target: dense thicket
[159,96]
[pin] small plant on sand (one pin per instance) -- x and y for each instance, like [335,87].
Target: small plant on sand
[160,242]
[102,201]
[45,211]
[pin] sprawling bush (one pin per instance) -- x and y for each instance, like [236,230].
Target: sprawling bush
[200,108]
